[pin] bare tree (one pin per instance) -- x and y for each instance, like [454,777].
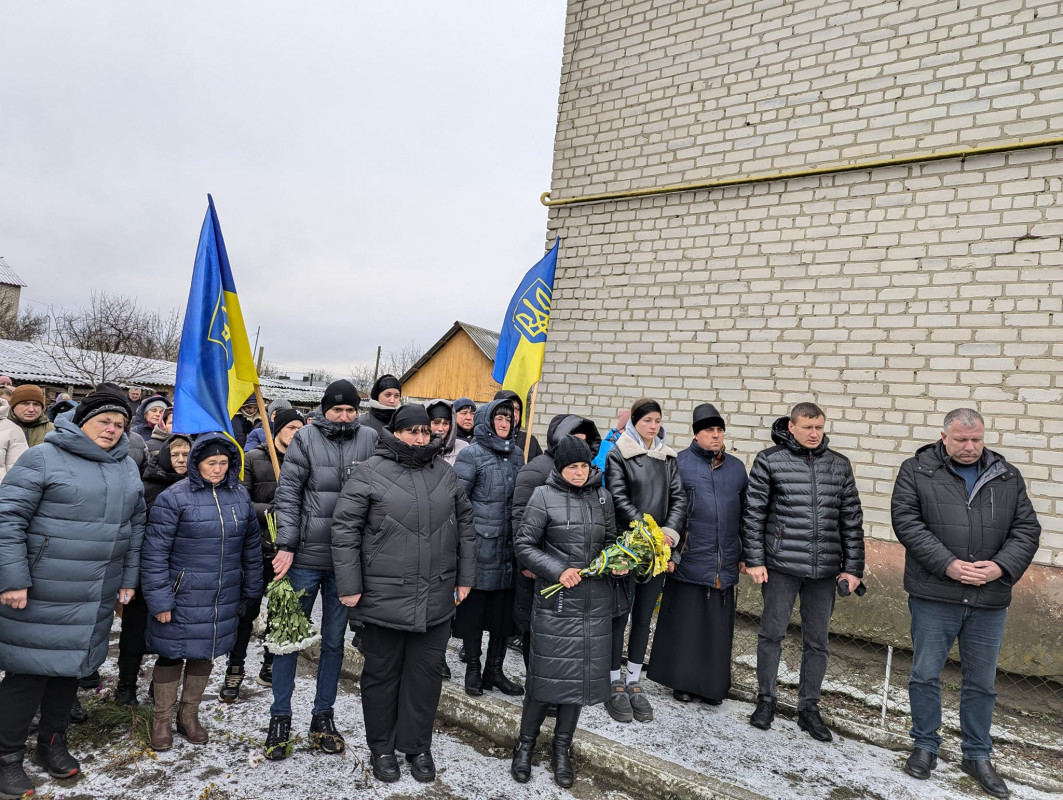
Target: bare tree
[268,369]
[393,362]
[21,326]
[113,339]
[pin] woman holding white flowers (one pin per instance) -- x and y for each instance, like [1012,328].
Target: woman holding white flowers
[404,550]
[200,562]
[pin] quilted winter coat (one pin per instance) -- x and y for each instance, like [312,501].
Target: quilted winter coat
[488,472]
[403,538]
[802,514]
[71,524]
[201,555]
[571,632]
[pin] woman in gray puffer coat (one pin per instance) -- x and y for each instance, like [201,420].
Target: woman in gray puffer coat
[565,526]
[71,524]
[405,550]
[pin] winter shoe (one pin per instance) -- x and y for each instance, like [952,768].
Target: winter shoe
[265,675]
[493,677]
[277,738]
[640,705]
[520,768]
[385,767]
[561,762]
[54,758]
[422,767]
[447,674]
[167,681]
[473,678]
[323,734]
[125,694]
[987,777]
[230,690]
[618,705]
[682,697]
[196,676]
[921,763]
[14,782]
[763,715]
[809,720]
[90,681]
[78,714]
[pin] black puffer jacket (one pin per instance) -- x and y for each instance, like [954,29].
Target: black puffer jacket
[937,523]
[317,464]
[533,475]
[645,482]
[488,472]
[571,644]
[261,483]
[403,538]
[802,513]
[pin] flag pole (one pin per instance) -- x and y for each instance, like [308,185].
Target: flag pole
[531,417]
[269,433]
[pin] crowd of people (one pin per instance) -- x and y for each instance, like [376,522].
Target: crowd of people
[417,523]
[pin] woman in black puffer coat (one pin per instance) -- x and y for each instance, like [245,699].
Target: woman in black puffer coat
[201,559]
[565,525]
[405,551]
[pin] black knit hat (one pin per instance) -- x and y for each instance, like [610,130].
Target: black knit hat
[383,383]
[340,393]
[212,449]
[408,416]
[101,403]
[463,402]
[571,450]
[439,410]
[284,417]
[642,407]
[706,416]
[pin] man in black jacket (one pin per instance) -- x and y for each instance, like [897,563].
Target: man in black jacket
[802,535]
[969,532]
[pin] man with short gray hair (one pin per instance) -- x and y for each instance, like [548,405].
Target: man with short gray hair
[969,532]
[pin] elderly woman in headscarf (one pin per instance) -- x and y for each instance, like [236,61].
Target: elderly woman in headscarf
[71,524]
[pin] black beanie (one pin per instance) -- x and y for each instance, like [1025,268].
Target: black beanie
[213,449]
[382,383]
[706,416]
[408,416]
[571,450]
[642,407]
[340,393]
[439,410]
[101,403]
[284,417]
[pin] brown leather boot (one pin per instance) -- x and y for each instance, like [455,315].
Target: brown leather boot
[197,673]
[166,681]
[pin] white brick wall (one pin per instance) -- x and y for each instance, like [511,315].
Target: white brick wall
[888,296]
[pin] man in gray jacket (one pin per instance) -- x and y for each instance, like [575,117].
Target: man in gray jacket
[317,464]
[969,532]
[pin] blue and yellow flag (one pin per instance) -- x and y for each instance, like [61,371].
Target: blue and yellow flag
[522,343]
[215,369]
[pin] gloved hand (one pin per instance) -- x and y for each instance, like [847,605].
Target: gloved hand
[249,607]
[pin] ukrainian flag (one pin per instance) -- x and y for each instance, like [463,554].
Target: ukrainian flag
[215,369]
[522,343]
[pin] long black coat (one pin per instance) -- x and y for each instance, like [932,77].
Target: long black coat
[937,523]
[571,633]
[403,538]
[802,514]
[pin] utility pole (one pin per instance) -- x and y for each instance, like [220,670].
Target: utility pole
[376,367]
[261,353]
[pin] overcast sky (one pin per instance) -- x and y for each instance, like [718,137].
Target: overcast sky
[376,166]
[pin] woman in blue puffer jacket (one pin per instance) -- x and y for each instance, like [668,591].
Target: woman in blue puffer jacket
[201,559]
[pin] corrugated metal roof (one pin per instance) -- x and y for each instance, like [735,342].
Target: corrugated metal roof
[9,276]
[28,362]
[486,340]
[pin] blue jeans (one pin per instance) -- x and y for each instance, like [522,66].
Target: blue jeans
[935,626]
[333,627]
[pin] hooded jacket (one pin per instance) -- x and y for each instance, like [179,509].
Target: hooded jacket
[716,492]
[571,643]
[645,481]
[261,483]
[802,514]
[201,555]
[141,425]
[937,523]
[12,440]
[71,525]
[318,462]
[158,473]
[403,537]
[488,472]
[453,445]
[519,433]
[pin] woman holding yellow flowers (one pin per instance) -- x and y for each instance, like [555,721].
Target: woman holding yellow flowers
[566,525]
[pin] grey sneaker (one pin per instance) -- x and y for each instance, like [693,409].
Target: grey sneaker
[618,705]
[640,705]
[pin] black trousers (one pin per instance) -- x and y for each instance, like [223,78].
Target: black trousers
[645,600]
[401,683]
[245,624]
[534,714]
[21,695]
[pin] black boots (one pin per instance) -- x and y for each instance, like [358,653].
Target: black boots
[763,715]
[14,782]
[493,677]
[983,772]
[473,676]
[564,729]
[921,763]
[531,721]
[125,693]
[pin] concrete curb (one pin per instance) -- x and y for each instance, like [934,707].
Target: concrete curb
[637,774]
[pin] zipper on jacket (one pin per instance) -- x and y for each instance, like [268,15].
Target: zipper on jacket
[221,571]
[177,583]
[815,516]
[716,505]
[40,554]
